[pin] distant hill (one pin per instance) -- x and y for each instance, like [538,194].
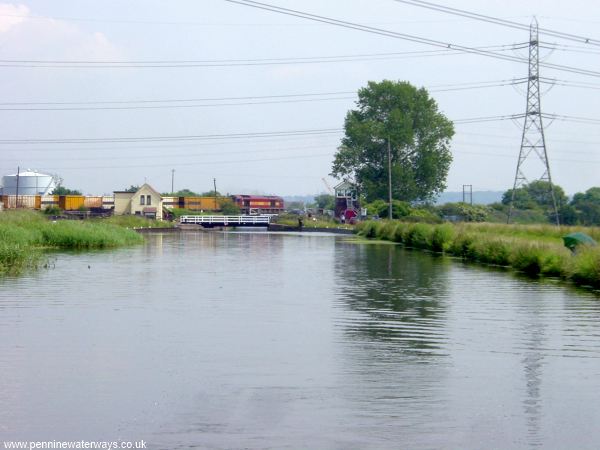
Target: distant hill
[479,197]
[306,199]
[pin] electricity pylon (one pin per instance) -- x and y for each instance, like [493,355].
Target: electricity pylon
[533,139]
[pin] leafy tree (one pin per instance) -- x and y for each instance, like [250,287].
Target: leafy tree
[61,190]
[181,193]
[568,215]
[325,201]
[132,188]
[587,206]
[466,212]
[536,195]
[381,208]
[212,193]
[522,199]
[229,208]
[418,134]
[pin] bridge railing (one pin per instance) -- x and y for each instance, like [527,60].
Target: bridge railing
[226,220]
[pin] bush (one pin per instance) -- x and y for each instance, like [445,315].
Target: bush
[420,236]
[586,266]
[53,211]
[423,215]
[442,237]
[465,212]
[380,208]
[228,208]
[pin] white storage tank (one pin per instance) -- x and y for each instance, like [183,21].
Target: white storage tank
[30,183]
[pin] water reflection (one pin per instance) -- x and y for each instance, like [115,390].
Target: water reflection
[237,340]
[533,340]
[395,297]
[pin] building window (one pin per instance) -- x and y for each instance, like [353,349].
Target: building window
[142,198]
[148,200]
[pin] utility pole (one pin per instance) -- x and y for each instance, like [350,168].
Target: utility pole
[215,185]
[172,181]
[467,189]
[17,190]
[389,178]
[533,139]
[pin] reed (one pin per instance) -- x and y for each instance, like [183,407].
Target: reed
[535,250]
[25,234]
[586,267]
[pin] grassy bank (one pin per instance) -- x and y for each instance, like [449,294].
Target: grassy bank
[536,250]
[24,235]
[310,222]
[131,221]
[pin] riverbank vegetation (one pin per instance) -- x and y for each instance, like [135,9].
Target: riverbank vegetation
[25,235]
[535,250]
[532,205]
[310,222]
[132,221]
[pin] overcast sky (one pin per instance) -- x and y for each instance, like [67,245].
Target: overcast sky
[218,96]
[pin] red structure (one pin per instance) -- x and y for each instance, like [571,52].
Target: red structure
[346,201]
[259,204]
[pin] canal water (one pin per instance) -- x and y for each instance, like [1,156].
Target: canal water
[283,341]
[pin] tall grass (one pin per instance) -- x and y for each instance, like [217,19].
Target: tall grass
[535,250]
[24,234]
[132,221]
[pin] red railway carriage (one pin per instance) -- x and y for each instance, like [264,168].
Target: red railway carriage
[259,204]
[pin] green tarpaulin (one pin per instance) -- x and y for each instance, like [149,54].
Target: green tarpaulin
[573,240]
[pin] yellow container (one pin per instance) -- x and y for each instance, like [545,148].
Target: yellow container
[201,203]
[92,202]
[71,202]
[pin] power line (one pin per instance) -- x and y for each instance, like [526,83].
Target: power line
[568,83]
[372,30]
[584,120]
[323,131]
[251,100]
[147,156]
[568,48]
[203,163]
[577,119]
[185,23]
[406,37]
[498,21]
[177,100]
[172,106]
[108,64]
[503,155]
[145,147]
[504,136]
[487,119]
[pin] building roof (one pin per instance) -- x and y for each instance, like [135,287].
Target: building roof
[150,188]
[29,173]
[343,185]
[140,188]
